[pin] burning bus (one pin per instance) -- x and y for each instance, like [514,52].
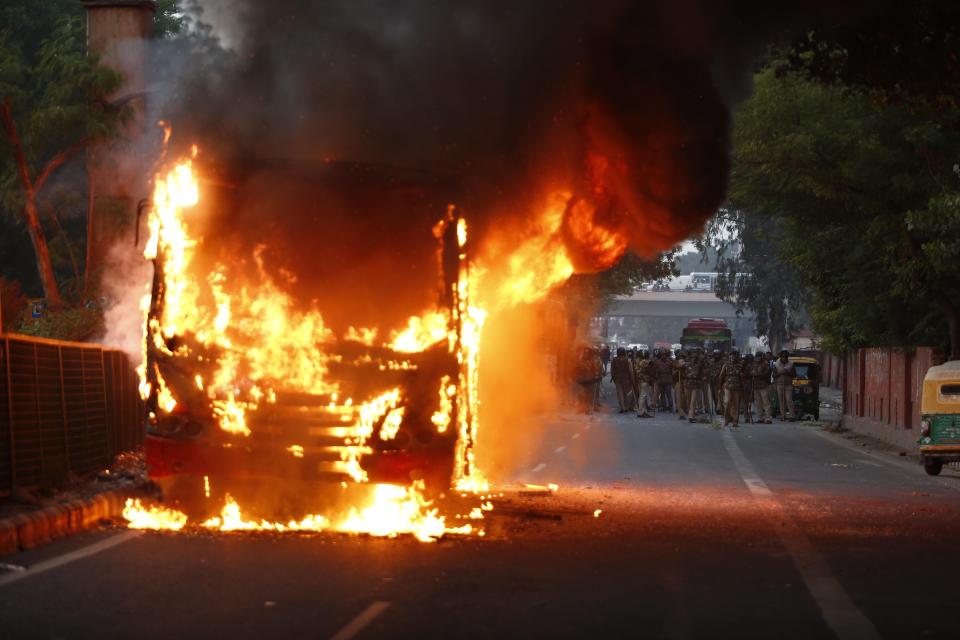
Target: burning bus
[244,385]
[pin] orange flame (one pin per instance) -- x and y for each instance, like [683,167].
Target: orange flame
[157,518]
[538,264]
[391,511]
[259,339]
[257,332]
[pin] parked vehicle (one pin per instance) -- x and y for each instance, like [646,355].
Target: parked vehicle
[703,281]
[940,417]
[806,388]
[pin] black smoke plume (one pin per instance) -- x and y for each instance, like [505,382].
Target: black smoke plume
[343,127]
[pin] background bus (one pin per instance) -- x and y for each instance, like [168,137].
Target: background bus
[708,334]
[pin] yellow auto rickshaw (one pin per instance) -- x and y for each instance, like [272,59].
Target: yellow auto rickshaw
[806,388]
[940,417]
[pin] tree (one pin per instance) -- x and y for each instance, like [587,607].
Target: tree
[170,19]
[907,57]
[53,105]
[754,272]
[584,294]
[863,192]
[908,51]
[703,258]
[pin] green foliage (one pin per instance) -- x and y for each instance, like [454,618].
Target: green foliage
[28,23]
[753,273]
[58,94]
[170,19]
[632,270]
[58,97]
[704,259]
[594,291]
[861,196]
[907,51]
[76,324]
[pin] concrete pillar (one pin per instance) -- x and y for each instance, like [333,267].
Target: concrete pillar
[119,32]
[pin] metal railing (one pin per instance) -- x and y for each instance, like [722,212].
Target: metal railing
[65,408]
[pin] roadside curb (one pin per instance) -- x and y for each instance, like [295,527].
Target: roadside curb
[35,528]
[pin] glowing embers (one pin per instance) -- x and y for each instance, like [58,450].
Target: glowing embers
[397,510]
[231,519]
[153,517]
[442,416]
[421,332]
[296,450]
[391,424]
[386,511]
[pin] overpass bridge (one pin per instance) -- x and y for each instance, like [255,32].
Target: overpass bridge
[659,316]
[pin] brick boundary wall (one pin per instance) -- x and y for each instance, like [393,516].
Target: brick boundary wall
[881,393]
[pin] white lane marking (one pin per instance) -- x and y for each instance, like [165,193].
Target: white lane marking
[359,623]
[67,558]
[560,449]
[870,463]
[540,467]
[575,436]
[839,612]
[586,427]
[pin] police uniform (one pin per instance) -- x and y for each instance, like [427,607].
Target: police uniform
[678,389]
[621,372]
[783,376]
[588,371]
[760,373]
[746,394]
[730,378]
[693,384]
[716,393]
[663,390]
[645,374]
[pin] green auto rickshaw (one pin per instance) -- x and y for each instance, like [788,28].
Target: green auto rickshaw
[940,417]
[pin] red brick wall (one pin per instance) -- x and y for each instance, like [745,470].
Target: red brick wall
[882,392]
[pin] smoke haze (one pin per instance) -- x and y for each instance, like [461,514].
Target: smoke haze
[335,133]
[510,98]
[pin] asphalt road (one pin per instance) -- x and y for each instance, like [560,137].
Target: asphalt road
[771,531]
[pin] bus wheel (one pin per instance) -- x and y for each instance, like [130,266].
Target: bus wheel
[932,467]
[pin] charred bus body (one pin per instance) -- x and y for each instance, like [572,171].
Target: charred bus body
[301,436]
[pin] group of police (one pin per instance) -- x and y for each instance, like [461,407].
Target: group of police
[692,384]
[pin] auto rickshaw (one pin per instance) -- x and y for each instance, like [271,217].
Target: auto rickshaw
[940,417]
[806,388]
